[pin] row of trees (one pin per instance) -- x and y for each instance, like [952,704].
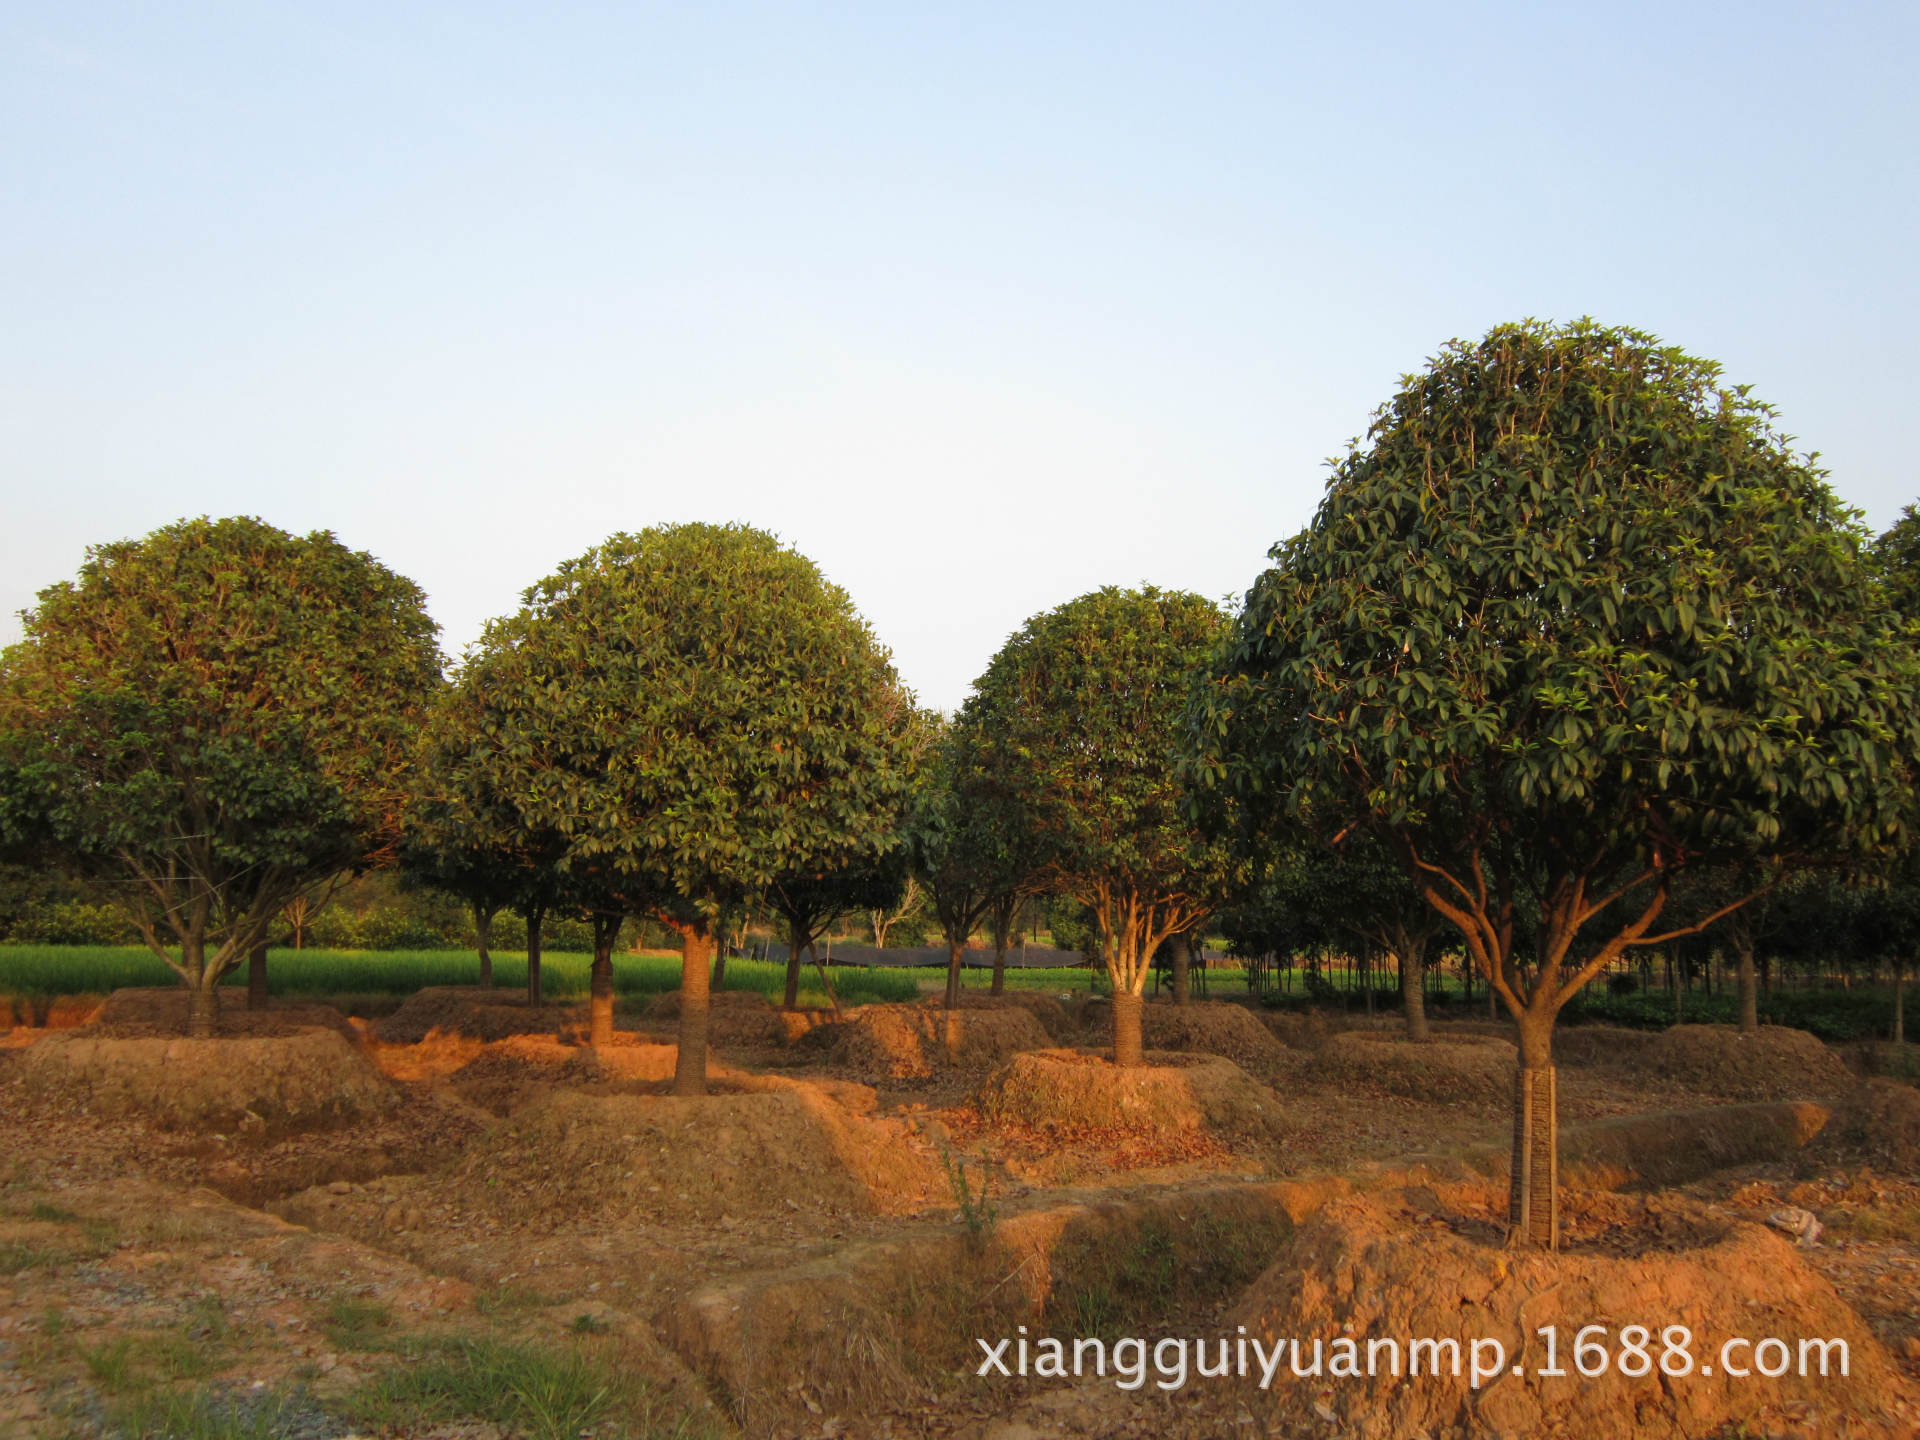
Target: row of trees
[1577,657]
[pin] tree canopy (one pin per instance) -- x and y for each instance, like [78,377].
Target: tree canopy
[216,719]
[1079,719]
[693,711]
[1574,617]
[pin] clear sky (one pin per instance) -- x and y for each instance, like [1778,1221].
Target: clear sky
[980,307]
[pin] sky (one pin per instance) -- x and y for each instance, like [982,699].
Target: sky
[980,307]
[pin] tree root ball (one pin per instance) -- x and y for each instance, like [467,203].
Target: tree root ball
[1445,1068]
[901,1042]
[1069,1090]
[1400,1265]
[1774,1063]
[311,1079]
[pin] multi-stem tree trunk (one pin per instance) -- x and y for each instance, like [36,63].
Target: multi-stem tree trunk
[606,930]
[257,975]
[797,939]
[483,942]
[1413,988]
[696,969]
[203,998]
[535,915]
[1181,947]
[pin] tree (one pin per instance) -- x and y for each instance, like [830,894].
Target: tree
[692,712]
[1078,721]
[810,904]
[962,843]
[217,718]
[1574,619]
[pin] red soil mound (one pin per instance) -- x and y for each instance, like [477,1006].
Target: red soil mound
[1877,1125]
[908,1041]
[1211,1028]
[1068,1091]
[162,1011]
[1775,1063]
[1445,1068]
[473,1011]
[1415,1265]
[734,1017]
[1051,1014]
[622,1157]
[255,1084]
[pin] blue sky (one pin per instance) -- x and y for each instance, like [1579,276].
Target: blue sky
[979,307]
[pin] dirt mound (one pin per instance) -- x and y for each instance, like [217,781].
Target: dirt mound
[734,1017]
[1213,1028]
[1301,1029]
[1051,1014]
[1775,1063]
[251,1084]
[473,1012]
[1445,1068]
[907,1041]
[1587,1045]
[1070,1091]
[622,1157]
[1414,1265]
[1877,1125]
[50,1012]
[162,1011]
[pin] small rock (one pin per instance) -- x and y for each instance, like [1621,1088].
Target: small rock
[1798,1223]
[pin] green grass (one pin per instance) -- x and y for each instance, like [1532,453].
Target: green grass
[46,970]
[549,1393]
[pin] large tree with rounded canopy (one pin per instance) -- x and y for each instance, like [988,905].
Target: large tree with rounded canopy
[693,711]
[1076,726]
[1573,619]
[217,720]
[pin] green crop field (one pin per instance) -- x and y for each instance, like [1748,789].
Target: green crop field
[51,970]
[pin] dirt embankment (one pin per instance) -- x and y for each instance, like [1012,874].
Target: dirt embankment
[792,1146]
[1068,1091]
[1877,1125]
[1774,1063]
[734,1017]
[272,1084]
[1212,1028]
[1052,1015]
[1445,1068]
[1421,1263]
[900,1042]
[472,1012]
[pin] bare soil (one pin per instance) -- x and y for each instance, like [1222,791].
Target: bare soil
[1775,1063]
[911,1041]
[795,1253]
[1448,1067]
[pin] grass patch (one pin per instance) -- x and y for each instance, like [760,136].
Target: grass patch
[545,1393]
[16,1256]
[1899,1224]
[43,1211]
[357,1324]
[200,1414]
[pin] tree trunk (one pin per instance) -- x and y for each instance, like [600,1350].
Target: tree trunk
[719,968]
[999,985]
[534,917]
[1899,1004]
[796,942]
[1182,962]
[1533,1196]
[203,1011]
[1749,987]
[257,977]
[1413,990]
[483,942]
[956,951]
[1126,1028]
[696,967]
[600,986]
